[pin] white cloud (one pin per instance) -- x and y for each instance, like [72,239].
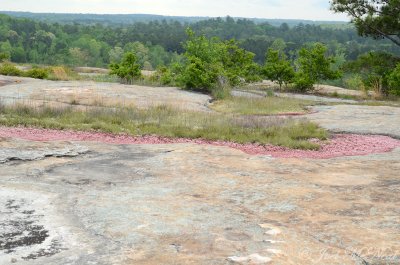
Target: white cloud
[304,9]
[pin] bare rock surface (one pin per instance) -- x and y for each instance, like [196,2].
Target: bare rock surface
[26,152]
[195,204]
[65,202]
[381,120]
[316,98]
[262,94]
[32,91]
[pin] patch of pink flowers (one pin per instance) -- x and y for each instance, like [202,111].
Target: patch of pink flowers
[339,145]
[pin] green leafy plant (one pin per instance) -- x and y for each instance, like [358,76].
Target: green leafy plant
[10,70]
[303,82]
[128,69]
[38,73]
[212,64]
[354,82]
[394,81]
[278,68]
[374,68]
[4,57]
[313,66]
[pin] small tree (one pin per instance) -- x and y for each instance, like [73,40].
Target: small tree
[203,67]
[128,70]
[214,64]
[238,63]
[278,68]
[314,65]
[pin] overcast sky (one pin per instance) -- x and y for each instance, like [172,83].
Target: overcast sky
[296,9]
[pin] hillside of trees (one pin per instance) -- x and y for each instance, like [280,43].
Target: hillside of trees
[159,43]
[127,19]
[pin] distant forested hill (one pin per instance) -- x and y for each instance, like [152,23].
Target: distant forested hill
[125,19]
[159,42]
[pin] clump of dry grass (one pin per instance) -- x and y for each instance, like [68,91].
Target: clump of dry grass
[62,73]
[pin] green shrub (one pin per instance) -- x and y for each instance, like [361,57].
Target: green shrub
[163,75]
[4,56]
[277,68]
[212,63]
[354,82]
[303,83]
[128,69]
[38,73]
[314,65]
[394,81]
[374,68]
[10,70]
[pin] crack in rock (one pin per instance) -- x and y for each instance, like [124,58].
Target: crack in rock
[13,154]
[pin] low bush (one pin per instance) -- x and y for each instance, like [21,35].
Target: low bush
[163,75]
[354,82]
[62,73]
[303,82]
[38,73]
[10,70]
[394,81]
[4,57]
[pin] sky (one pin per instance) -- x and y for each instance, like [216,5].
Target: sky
[287,9]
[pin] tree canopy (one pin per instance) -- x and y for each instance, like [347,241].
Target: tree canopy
[278,68]
[376,18]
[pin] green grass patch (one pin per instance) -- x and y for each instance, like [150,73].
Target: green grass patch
[165,121]
[260,106]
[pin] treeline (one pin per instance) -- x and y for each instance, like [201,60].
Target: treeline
[128,19]
[159,43]
[215,66]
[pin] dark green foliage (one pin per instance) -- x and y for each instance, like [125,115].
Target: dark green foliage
[374,68]
[163,75]
[379,19]
[314,65]
[4,57]
[38,73]
[214,64]
[303,82]
[201,75]
[96,45]
[10,70]
[128,69]
[278,68]
[203,65]
[376,18]
[394,81]
[238,63]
